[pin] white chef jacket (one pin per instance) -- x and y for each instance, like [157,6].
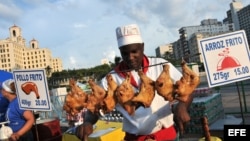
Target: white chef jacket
[159,115]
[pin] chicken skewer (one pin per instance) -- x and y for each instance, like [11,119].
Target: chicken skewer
[75,100]
[164,84]
[97,90]
[95,100]
[125,93]
[147,90]
[187,84]
[110,100]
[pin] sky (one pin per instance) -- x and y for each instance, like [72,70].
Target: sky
[82,32]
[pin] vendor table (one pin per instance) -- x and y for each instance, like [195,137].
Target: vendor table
[47,129]
[104,131]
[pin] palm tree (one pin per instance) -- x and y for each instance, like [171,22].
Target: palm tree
[117,60]
[48,70]
[167,55]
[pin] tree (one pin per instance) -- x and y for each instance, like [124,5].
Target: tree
[117,60]
[48,70]
[167,55]
[170,57]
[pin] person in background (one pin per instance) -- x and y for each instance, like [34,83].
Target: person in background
[4,75]
[155,122]
[20,121]
[3,105]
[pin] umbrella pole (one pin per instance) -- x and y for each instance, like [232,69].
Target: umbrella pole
[37,135]
[242,116]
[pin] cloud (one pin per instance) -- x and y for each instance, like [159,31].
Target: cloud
[72,61]
[79,25]
[110,55]
[82,33]
[9,13]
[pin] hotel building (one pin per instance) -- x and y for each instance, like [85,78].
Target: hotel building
[14,54]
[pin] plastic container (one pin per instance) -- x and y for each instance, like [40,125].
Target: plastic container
[213,138]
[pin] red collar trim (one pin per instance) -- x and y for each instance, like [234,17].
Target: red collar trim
[122,66]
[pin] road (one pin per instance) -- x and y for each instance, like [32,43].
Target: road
[231,95]
[231,103]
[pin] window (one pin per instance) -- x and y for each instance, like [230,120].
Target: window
[14,33]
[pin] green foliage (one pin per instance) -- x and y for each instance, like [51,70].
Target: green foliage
[97,73]
[117,61]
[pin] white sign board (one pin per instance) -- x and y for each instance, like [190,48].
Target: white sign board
[226,58]
[32,90]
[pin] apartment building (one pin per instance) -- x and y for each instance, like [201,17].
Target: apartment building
[163,50]
[244,20]
[238,18]
[14,54]
[235,6]
[207,26]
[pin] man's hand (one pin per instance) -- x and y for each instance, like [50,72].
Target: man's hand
[181,115]
[84,130]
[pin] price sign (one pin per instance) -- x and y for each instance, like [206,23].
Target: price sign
[32,89]
[226,58]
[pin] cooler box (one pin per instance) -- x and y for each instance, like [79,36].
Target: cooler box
[209,105]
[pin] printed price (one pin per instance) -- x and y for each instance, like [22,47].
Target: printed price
[241,70]
[41,102]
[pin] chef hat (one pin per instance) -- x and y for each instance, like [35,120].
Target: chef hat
[128,34]
[6,85]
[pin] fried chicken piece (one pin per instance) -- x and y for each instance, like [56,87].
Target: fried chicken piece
[75,100]
[96,97]
[125,93]
[164,84]
[110,100]
[97,90]
[93,103]
[147,90]
[76,90]
[72,105]
[187,84]
[79,95]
